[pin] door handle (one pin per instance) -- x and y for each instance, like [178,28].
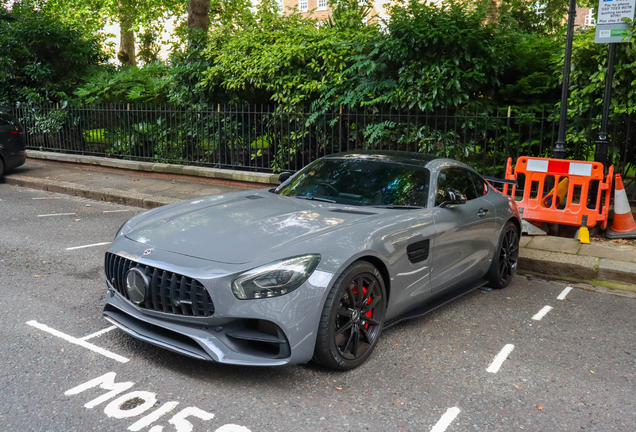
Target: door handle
[483,212]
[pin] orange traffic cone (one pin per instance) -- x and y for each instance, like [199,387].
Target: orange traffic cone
[623,225]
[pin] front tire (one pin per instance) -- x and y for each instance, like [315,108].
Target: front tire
[504,264]
[352,318]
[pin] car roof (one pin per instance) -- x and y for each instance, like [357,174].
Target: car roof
[401,157]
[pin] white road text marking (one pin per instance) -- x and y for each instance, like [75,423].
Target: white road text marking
[117,408]
[77,341]
[56,214]
[98,333]
[564,293]
[541,313]
[152,417]
[446,420]
[87,246]
[501,357]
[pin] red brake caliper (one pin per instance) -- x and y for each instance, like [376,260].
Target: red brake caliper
[354,291]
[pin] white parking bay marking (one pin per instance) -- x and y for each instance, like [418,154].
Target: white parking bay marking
[87,246]
[542,313]
[77,341]
[501,357]
[98,333]
[116,211]
[56,214]
[49,197]
[564,293]
[446,420]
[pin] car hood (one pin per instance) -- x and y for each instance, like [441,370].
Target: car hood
[240,227]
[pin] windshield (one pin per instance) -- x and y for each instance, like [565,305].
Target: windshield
[360,182]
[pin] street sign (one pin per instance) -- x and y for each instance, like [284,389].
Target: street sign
[610,27]
[612,33]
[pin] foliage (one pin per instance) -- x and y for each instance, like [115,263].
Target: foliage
[125,84]
[588,76]
[280,58]
[587,86]
[92,15]
[431,56]
[530,79]
[537,16]
[42,59]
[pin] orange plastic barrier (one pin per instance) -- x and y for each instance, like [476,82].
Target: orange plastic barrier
[561,191]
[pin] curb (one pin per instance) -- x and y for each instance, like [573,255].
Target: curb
[99,194]
[188,170]
[576,267]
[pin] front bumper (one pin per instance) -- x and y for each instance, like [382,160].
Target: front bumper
[263,332]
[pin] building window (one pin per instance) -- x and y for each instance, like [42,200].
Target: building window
[322,5]
[589,19]
[281,6]
[302,5]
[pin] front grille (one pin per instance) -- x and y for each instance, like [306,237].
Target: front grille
[169,292]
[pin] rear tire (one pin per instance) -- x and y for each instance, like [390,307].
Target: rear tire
[352,318]
[1,168]
[504,263]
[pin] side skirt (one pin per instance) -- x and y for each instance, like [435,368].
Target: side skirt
[436,303]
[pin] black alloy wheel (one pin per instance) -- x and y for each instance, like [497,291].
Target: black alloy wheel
[352,318]
[506,258]
[509,254]
[357,325]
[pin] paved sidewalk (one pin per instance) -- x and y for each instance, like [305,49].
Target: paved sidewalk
[132,188]
[601,263]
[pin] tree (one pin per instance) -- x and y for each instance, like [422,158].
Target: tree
[42,59]
[130,14]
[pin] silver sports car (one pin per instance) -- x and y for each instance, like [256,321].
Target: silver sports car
[315,268]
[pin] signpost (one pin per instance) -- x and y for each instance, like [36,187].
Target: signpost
[610,28]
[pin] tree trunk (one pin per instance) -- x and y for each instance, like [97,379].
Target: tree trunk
[492,12]
[199,14]
[126,54]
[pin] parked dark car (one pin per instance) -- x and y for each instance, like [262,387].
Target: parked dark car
[12,146]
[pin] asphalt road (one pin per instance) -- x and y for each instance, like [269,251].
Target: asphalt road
[573,370]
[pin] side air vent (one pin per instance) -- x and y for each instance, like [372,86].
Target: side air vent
[418,252]
[358,212]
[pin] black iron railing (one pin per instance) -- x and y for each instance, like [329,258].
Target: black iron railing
[262,138]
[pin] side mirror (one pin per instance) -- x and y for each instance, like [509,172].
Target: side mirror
[282,177]
[453,197]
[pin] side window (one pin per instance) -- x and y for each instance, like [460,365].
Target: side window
[457,179]
[480,185]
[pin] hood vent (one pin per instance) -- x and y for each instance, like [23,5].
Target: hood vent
[358,212]
[253,197]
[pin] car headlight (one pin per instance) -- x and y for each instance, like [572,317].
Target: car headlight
[275,279]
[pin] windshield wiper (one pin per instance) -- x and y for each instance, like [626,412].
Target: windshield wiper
[399,207]
[311,197]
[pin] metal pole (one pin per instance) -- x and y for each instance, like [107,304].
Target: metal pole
[559,151]
[603,142]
